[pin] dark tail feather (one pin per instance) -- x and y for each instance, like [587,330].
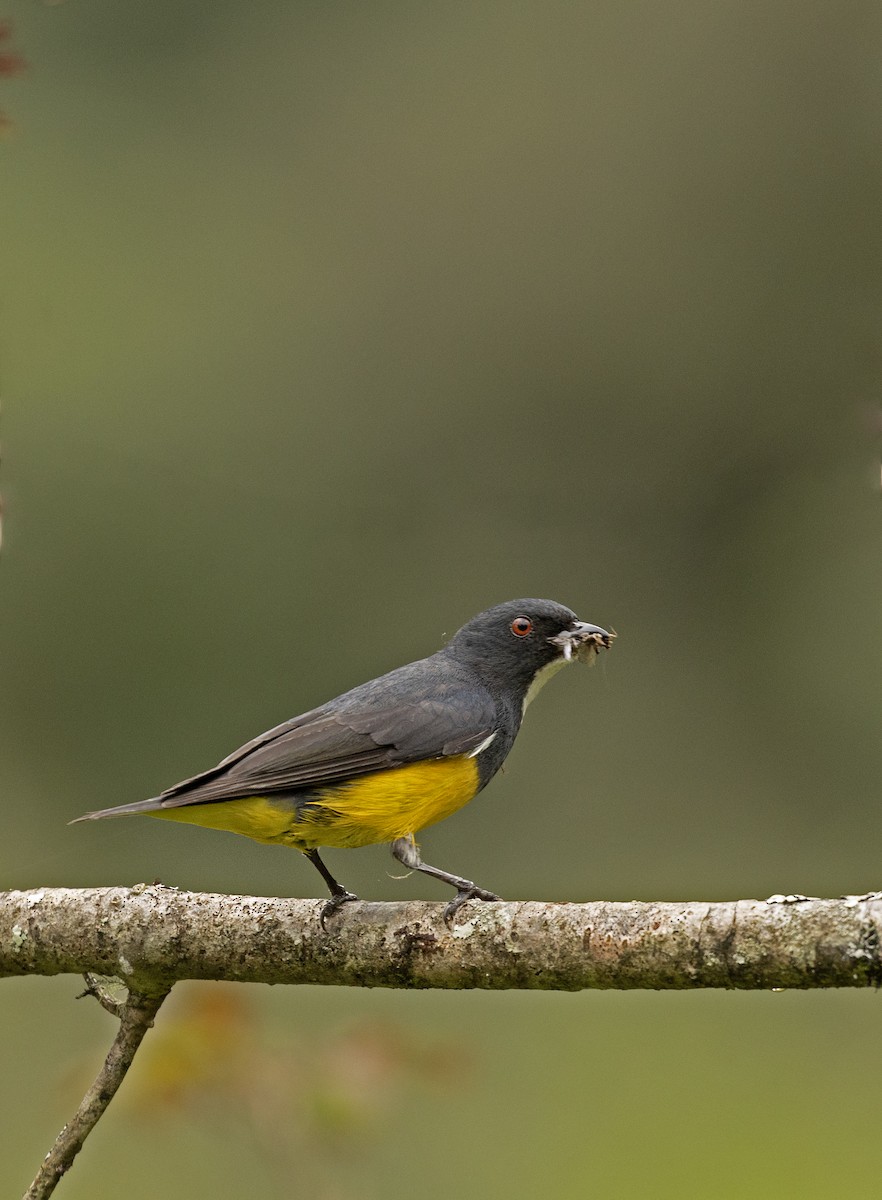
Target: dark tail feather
[124,810]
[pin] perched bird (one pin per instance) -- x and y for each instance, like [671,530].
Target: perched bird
[390,757]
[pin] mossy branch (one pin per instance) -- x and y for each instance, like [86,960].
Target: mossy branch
[152,936]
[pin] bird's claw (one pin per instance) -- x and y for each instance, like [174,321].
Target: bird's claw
[462,897]
[334,905]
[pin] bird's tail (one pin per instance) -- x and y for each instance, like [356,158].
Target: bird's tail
[123,810]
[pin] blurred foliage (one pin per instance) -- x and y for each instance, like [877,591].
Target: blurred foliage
[324,327]
[11,64]
[312,1105]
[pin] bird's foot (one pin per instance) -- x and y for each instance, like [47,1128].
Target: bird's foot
[335,904]
[469,892]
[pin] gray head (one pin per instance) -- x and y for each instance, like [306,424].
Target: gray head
[510,643]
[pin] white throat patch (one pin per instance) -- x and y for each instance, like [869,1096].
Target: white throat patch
[542,677]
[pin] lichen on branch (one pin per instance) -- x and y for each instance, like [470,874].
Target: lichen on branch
[151,936]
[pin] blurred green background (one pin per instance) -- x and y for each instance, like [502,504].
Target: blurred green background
[325,326]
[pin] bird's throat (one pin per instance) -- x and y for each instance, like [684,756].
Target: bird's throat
[542,677]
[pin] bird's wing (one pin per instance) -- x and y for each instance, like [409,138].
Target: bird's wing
[321,751]
[364,731]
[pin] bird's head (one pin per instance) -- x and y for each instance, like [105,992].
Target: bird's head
[520,643]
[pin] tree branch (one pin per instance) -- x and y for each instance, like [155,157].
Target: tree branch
[136,1017]
[153,935]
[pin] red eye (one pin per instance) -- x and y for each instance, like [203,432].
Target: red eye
[521,626]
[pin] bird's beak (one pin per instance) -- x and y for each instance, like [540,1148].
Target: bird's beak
[582,641]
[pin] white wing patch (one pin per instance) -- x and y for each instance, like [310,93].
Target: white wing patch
[481,746]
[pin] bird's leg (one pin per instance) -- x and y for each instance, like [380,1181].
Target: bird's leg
[407,852]
[339,894]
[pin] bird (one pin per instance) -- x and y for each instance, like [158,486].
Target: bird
[392,756]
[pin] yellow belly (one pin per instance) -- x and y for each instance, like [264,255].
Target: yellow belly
[360,812]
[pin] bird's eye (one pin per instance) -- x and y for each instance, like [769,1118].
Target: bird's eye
[521,626]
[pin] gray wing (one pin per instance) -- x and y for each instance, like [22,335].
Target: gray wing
[380,724]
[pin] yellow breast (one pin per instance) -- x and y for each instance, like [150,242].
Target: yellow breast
[389,804]
[373,808]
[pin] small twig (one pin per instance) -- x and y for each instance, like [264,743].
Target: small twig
[96,986]
[136,1017]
